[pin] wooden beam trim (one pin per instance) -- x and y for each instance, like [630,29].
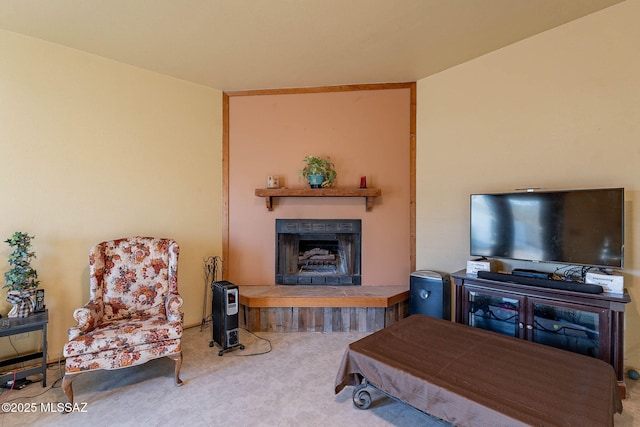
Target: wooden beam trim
[225,177]
[321,89]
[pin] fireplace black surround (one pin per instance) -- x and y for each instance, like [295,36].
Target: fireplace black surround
[318,251]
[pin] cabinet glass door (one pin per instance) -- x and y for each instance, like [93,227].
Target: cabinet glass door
[567,327]
[494,312]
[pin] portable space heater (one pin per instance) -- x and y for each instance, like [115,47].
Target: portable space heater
[224,312]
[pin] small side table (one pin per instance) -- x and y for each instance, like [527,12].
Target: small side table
[21,325]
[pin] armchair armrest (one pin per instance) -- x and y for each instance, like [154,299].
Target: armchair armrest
[172,307]
[88,317]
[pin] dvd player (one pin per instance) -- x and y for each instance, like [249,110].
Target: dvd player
[543,283]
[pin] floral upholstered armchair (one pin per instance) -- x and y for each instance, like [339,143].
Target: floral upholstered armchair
[133,314]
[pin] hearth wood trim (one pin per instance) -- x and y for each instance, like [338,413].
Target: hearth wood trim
[322,296]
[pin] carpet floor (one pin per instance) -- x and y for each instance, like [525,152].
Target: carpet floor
[279,379]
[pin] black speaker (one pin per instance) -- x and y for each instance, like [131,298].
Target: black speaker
[224,313]
[430,294]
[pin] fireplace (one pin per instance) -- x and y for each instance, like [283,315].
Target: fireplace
[318,251]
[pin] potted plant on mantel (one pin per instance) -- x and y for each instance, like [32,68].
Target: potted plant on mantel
[21,279]
[319,171]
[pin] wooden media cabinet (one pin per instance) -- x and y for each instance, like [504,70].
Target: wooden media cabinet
[588,324]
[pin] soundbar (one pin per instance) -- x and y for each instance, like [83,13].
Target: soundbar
[543,283]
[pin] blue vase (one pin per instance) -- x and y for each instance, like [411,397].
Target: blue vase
[315,180]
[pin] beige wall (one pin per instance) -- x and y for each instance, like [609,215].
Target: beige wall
[558,110]
[365,132]
[92,150]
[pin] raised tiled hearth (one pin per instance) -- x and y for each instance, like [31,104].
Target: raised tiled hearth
[321,308]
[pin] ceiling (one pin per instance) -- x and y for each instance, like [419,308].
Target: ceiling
[264,44]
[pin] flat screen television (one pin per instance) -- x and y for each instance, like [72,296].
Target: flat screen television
[578,227]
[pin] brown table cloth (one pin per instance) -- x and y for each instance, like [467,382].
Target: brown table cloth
[473,377]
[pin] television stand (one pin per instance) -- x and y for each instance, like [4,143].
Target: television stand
[584,323]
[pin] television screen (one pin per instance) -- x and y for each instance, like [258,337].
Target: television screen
[581,227]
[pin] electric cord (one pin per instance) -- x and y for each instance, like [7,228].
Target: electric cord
[15,371]
[15,375]
[5,393]
[15,350]
[260,339]
[30,396]
[572,272]
[50,366]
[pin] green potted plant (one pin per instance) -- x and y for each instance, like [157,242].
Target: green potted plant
[319,171]
[22,279]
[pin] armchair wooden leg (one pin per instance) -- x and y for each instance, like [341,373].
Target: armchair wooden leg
[66,386]
[178,359]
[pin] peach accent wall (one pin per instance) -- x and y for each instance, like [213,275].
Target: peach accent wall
[365,132]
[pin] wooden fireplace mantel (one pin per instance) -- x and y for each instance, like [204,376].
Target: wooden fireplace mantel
[368,193]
